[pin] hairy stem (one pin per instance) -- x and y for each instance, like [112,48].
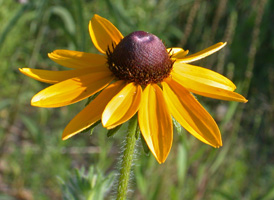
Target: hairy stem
[127,159]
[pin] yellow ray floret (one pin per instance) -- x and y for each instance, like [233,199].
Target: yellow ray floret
[155,122]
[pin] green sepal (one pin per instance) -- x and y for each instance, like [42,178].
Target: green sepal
[144,144]
[177,125]
[113,131]
[137,134]
[91,128]
[92,98]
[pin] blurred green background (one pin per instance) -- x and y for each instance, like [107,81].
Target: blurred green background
[35,162]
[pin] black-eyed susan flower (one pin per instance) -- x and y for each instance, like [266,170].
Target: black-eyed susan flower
[135,74]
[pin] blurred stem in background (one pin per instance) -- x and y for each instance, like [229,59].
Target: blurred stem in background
[251,58]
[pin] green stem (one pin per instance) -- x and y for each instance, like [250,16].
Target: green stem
[127,159]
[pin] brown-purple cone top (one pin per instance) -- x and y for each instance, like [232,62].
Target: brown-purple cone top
[140,57]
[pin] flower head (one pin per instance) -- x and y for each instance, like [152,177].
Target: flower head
[135,74]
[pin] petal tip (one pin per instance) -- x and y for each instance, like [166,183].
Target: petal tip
[219,143]
[161,161]
[106,124]
[22,70]
[242,99]
[69,132]
[51,55]
[221,45]
[104,120]
[35,101]
[96,16]
[66,136]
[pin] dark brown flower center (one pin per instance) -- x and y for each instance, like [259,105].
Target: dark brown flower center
[140,57]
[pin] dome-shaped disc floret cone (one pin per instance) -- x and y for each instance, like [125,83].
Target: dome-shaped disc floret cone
[140,57]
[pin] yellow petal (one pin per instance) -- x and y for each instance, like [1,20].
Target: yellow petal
[72,90]
[177,53]
[93,111]
[77,59]
[52,77]
[203,76]
[206,89]
[123,106]
[155,122]
[190,114]
[201,54]
[103,33]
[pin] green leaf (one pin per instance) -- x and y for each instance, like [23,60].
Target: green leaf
[93,185]
[65,15]
[12,22]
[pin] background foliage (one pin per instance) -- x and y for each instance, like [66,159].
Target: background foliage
[33,158]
